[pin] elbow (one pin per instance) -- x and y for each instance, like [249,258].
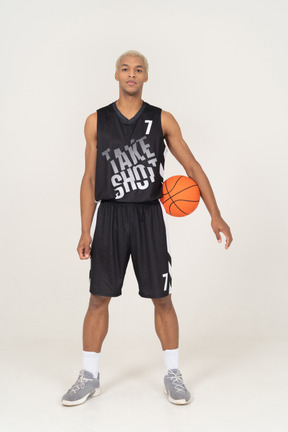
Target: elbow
[88,179]
[193,170]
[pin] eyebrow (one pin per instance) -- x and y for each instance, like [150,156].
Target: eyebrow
[135,66]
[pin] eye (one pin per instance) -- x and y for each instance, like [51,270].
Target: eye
[124,69]
[139,70]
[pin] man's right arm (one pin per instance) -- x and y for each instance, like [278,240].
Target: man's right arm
[87,191]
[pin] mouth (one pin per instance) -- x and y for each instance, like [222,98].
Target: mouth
[131,82]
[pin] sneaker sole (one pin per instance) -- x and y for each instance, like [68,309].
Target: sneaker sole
[176,401]
[95,393]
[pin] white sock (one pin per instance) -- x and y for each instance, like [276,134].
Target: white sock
[90,362]
[171,358]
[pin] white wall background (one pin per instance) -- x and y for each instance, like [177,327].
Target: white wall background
[221,69]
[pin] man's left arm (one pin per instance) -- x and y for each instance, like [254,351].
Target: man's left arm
[181,151]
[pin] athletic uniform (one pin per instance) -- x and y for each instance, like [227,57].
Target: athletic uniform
[130,218]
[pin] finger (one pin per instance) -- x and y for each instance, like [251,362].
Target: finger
[86,252]
[228,241]
[218,236]
[83,251]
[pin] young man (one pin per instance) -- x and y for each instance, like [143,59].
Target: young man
[124,169]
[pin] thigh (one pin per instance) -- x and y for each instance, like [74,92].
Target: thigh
[110,250]
[150,250]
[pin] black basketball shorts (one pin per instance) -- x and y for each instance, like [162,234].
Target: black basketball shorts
[121,229]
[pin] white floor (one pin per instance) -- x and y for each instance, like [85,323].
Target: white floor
[237,385]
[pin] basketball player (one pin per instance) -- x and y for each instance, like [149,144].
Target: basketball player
[124,169]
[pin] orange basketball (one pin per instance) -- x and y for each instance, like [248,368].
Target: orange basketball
[181,195]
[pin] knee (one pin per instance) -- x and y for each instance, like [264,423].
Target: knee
[98,302]
[163,303]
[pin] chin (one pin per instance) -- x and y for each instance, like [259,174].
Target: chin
[133,92]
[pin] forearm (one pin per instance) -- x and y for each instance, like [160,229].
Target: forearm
[206,192]
[87,204]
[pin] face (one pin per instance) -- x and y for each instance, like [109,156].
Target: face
[131,75]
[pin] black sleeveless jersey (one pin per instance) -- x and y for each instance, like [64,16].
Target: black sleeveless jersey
[130,154]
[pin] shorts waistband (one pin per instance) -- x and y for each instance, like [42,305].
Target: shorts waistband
[131,202]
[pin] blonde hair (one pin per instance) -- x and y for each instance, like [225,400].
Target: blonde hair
[132,53]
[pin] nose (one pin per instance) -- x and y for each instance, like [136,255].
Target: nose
[131,75]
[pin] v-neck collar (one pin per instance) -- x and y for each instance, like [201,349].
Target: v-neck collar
[125,119]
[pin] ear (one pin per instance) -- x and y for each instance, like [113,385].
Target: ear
[146,79]
[116,76]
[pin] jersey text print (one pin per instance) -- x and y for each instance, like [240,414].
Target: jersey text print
[130,154]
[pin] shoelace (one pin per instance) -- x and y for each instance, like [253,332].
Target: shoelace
[80,383]
[177,381]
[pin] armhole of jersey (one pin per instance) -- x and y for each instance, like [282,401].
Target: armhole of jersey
[97,128]
[163,138]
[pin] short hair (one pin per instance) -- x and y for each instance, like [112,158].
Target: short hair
[132,53]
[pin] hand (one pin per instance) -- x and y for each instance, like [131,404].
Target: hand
[219,225]
[84,249]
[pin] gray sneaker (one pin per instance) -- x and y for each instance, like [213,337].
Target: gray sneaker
[175,388]
[85,386]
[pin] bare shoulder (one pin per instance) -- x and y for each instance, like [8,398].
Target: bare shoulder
[90,127]
[90,131]
[176,143]
[169,123]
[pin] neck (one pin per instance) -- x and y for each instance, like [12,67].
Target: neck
[129,104]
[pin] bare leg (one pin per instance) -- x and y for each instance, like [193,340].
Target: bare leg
[95,326]
[166,323]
